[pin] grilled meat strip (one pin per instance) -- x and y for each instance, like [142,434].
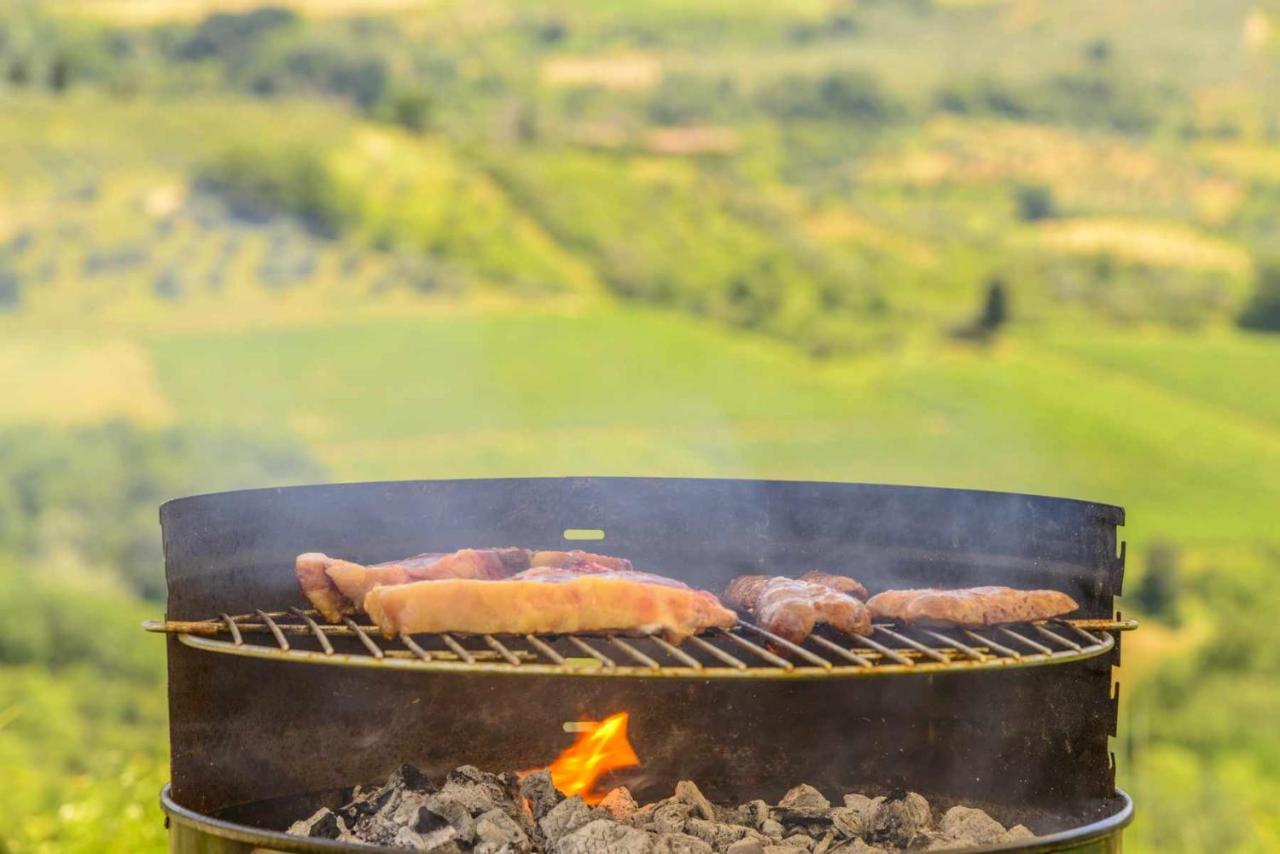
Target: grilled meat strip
[843,583]
[790,607]
[548,600]
[578,558]
[970,607]
[336,587]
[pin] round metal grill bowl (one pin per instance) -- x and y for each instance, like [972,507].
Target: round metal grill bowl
[243,830]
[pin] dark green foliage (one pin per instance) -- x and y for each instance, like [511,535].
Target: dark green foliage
[849,96]
[1158,591]
[1096,98]
[1263,310]
[10,287]
[995,306]
[230,36]
[411,110]
[985,96]
[320,67]
[696,99]
[92,493]
[257,184]
[1034,201]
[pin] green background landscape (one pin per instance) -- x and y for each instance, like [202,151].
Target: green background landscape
[998,244]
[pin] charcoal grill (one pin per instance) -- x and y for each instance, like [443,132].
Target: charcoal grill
[273,713]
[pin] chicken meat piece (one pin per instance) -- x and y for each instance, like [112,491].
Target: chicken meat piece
[336,587]
[790,608]
[548,602]
[970,607]
[576,558]
[843,583]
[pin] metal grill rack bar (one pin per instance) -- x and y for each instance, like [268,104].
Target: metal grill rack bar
[746,651]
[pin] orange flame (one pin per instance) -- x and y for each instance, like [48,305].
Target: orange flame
[599,748]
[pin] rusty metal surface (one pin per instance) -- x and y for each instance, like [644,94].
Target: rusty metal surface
[246,729]
[714,655]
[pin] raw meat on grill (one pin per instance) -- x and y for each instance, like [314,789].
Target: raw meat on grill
[548,603]
[970,607]
[568,573]
[843,583]
[790,608]
[336,587]
[579,559]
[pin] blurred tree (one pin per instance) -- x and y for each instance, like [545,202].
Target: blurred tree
[89,495]
[233,36]
[855,96]
[411,109]
[1034,202]
[995,306]
[1263,309]
[1098,52]
[10,287]
[1158,591]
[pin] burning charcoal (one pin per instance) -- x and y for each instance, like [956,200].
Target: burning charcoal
[680,843]
[1018,833]
[804,800]
[442,841]
[619,804]
[688,793]
[541,793]
[866,807]
[973,826]
[901,819]
[670,816]
[824,843]
[800,841]
[409,778]
[718,836]
[477,790]
[365,802]
[455,813]
[566,817]
[406,810]
[849,822]
[602,836]
[856,846]
[498,832]
[754,814]
[325,824]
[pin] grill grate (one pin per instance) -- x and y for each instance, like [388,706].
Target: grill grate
[746,651]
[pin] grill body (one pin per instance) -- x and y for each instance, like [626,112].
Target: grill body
[247,733]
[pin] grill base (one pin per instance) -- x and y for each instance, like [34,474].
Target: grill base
[1095,828]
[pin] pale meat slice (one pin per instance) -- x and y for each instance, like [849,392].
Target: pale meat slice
[970,607]
[790,608]
[548,603]
[843,583]
[568,573]
[336,587]
[311,569]
[577,558]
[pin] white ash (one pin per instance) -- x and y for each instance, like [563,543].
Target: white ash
[475,812]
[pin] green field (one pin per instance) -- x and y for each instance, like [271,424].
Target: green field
[994,244]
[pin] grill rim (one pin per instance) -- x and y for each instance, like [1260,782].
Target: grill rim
[898,655]
[279,840]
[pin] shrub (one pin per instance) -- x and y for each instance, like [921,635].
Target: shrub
[853,96]
[1034,202]
[232,36]
[1263,310]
